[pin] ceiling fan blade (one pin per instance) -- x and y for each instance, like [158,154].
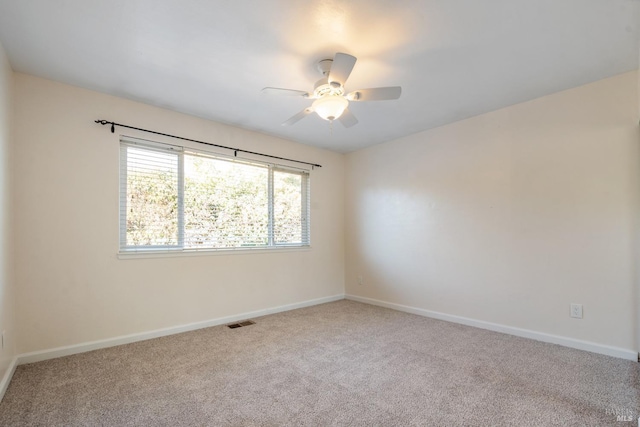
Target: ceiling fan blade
[348,119]
[285,92]
[301,115]
[341,68]
[375,94]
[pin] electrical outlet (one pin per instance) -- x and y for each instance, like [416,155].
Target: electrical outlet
[576,311]
[360,281]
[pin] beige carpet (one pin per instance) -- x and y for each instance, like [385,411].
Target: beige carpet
[341,363]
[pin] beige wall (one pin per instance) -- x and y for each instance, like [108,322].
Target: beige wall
[74,289]
[7,299]
[508,217]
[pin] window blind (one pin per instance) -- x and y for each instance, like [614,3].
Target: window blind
[176,199]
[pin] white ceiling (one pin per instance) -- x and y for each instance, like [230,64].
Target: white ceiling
[453,58]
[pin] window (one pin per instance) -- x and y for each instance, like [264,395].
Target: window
[178,199]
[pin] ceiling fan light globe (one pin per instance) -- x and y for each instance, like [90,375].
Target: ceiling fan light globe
[330,107]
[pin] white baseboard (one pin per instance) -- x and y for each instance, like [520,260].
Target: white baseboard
[6,378]
[38,356]
[525,333]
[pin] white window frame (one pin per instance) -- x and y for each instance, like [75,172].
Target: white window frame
[179,248]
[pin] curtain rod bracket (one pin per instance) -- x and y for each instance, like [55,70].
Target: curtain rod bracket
[235,150]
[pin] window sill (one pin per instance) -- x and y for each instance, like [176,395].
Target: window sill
[209,252]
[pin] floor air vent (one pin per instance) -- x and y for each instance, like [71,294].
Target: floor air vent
[241,324]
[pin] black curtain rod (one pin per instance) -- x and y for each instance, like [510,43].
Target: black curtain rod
[235,150]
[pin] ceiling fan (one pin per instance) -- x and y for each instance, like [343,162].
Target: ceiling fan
[331,102]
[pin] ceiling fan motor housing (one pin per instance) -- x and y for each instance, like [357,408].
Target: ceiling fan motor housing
[324,88]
